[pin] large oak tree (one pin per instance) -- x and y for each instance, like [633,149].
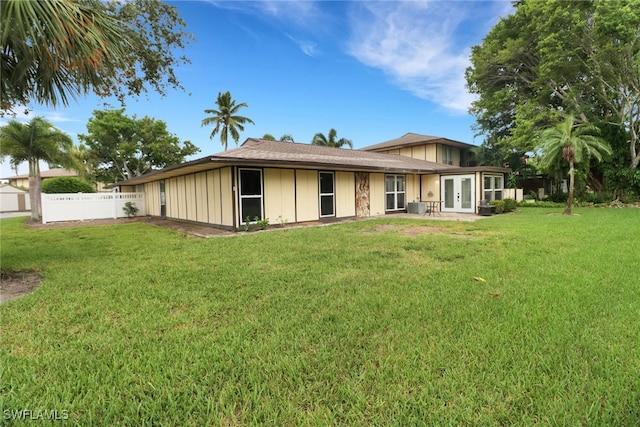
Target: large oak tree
[124,147]
[552,58]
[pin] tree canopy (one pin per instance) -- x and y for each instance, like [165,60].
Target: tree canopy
[124,147]
[54,50]
[555,58]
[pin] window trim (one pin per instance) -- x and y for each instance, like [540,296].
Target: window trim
[493,188]
[332,194]
[241,197]
[395,192]
[447,160]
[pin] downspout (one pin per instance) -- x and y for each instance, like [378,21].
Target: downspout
[234,195]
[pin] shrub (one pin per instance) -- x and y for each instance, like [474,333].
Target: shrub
[541,204]
[595,198]
[559,197]
[504,206]
[66,184]
[510,205]
[261,224]
[499,204]
[130,209]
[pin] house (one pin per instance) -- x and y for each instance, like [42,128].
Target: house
[460,188]
[13,199]
[22,181]
[300,182]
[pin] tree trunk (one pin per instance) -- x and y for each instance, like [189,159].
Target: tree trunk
[35,190]
[567,210]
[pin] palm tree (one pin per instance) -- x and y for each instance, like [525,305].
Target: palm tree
[572,143]
[226,119]
[55,49]
[330,141]
[284,138]
[32,142]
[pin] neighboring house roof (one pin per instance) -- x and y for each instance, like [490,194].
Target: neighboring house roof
[6,188]
[265,153]
[51,173]
[411,139]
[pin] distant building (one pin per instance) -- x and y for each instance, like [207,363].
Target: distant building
[13,199]
[22,181]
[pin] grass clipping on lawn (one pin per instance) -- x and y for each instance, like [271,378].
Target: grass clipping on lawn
[350,324]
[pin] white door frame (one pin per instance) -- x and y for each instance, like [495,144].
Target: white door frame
[454,199]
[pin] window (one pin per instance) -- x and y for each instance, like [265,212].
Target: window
[447,155]
[493,185]
[395,192]
[327,194]
[250,194]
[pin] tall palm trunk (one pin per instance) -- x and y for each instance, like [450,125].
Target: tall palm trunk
[35,190]
[567,210]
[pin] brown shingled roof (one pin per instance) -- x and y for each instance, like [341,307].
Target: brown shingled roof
[411,139]
[262,152]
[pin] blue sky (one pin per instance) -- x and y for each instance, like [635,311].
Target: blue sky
[373,70]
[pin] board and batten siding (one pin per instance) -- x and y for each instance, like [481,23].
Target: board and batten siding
[412,192]
[202,197]
[152,198]
[430,183]
[377,194]
[279,195]
[428,152]
[307,196]
[345,194]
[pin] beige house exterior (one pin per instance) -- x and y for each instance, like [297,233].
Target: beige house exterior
[292,183]
[459,189]
[13,199]
[22,181]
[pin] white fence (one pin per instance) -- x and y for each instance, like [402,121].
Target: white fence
[84,206]
[513,193]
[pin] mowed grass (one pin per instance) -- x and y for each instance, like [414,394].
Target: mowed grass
[349,324]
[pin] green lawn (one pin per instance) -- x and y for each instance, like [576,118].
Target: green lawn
[349,324]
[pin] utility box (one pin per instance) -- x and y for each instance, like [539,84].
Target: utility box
[485,209]
[416,207]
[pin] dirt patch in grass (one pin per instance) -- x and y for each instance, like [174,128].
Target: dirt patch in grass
[15,284]
[195,229]
[187,227]
[419,230]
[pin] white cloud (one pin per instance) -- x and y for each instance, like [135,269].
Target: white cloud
[307,47]
[300,16]
[23,116]
[298,13]
[419,44]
